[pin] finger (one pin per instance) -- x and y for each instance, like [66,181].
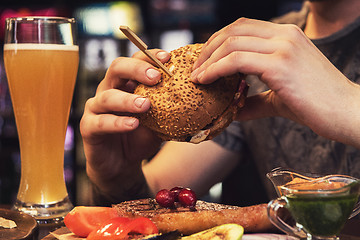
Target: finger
[246,27]
[244,62]
[239,43]
[241,27]
[266,104]
[124,69]
[162,55]
[114,101]
[257,106]
[106,123]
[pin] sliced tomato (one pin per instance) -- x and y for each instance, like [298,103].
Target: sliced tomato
[143,226]
[115,228]
[120,227]
[83,220]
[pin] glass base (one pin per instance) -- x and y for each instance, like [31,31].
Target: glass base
[52,213]
[310,237]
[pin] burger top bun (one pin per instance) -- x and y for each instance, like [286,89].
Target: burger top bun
[181,109]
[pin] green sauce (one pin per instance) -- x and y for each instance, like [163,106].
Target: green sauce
[321,215]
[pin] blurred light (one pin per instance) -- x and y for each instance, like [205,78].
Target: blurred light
[179,5]
[99,53]
[171,40]
[124,13]
[69,138]
[170,13]
[95,20]
[110,51]
[131,48]
[215,192]
[105,19]
[22,12]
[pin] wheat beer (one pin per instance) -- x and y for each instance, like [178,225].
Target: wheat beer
[41,80]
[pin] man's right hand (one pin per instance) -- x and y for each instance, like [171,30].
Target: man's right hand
[114,142]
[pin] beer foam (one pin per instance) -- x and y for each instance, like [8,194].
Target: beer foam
[32,46]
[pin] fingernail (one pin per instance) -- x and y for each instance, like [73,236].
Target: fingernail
[194,76]
[162,55]
[199,76]
[194,73]
[139,102]
[130,122]
[194,67]
[152,74]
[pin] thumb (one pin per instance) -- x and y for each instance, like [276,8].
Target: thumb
[256,106]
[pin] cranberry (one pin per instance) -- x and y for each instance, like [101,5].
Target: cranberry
[176,191]
[165,198]
[187,197]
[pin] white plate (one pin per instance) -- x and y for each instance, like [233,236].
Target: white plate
[266,236]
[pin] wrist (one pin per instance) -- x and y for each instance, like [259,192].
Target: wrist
[123,185]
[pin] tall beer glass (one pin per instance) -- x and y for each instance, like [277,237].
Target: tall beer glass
[41,61]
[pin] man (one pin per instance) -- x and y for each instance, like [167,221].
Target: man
[334,26]
[301,80]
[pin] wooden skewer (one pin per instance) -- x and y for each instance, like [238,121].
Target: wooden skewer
[143,47]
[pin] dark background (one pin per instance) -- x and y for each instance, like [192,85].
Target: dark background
[157,17]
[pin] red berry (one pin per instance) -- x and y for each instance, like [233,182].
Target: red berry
[176,191]
[187,197]
[165,198]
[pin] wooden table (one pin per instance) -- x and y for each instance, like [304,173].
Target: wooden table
[351,231]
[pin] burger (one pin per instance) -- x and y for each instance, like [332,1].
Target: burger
[187,112]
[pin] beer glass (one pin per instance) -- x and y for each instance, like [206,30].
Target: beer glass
[41,61]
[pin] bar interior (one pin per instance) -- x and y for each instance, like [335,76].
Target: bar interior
[166,24]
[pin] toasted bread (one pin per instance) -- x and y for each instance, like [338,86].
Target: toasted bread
[205,215]
[184,111]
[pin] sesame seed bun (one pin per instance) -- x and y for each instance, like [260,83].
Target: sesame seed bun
[183,111]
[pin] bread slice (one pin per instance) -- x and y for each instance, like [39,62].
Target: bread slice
[205,215]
